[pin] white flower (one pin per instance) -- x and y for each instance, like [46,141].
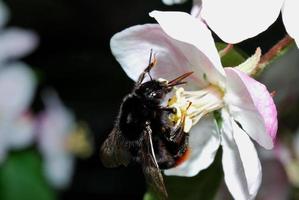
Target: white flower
[17,84]
[59,139]
[182,44]
[236,20]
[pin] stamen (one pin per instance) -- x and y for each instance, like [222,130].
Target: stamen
[193,105]
[79,141]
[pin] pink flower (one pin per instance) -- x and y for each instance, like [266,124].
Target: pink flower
[182,44]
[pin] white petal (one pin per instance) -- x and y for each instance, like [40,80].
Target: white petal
[204,142]
[236,20]
[132,46]
[17,84]
[16,43]
[21,133]
[187,29]
[242,169]
[290,16]
[59,170]
[172,2]
[55,124]
[252,106]
[4,14]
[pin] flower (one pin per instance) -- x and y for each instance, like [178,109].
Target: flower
[236,20]
[17,85]
[59,140]
[182,44]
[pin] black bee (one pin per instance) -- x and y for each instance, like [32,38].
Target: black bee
[143,132]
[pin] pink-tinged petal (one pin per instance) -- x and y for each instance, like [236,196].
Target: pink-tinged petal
[17,84]
[21,132]
[173,2]
[16,43]
[236,20]
[242,168]
[194,33]
[4,14]
[203,143]
[132,46]
[56,122]
[196,8]
[252,106]
[290,16]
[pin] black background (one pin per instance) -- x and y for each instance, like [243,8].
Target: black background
[74,58]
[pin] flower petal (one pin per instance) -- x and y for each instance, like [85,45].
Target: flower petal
[236,20]
[188,30]
[196,8]
[172,2]
[242,169]
[55,124]
[204,142]
[17,84]
[252,106]
[132,46]
[59,170]
[21,132]
[290,16]
[16,43]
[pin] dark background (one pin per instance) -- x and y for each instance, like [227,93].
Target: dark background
[74,58]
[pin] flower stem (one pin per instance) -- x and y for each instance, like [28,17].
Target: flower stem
[274,52]
[226,50]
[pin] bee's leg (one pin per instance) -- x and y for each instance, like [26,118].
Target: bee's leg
[171,110]
[151,64]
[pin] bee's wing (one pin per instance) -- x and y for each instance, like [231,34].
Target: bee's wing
[113,151]
[150,167]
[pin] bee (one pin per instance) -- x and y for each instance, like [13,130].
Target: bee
[143,132]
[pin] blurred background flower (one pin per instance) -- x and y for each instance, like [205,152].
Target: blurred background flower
[17,86]
[59,138]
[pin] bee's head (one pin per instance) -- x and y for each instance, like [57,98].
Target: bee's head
[153,91]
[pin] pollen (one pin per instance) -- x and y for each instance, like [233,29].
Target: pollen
[79,142]
[191,106]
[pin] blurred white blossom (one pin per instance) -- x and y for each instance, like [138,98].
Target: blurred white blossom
[59,140]
[17,85]
[182,44]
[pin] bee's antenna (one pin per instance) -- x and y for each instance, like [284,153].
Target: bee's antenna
[150,58]
[150,63]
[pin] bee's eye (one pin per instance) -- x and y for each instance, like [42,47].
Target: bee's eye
[153,94]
